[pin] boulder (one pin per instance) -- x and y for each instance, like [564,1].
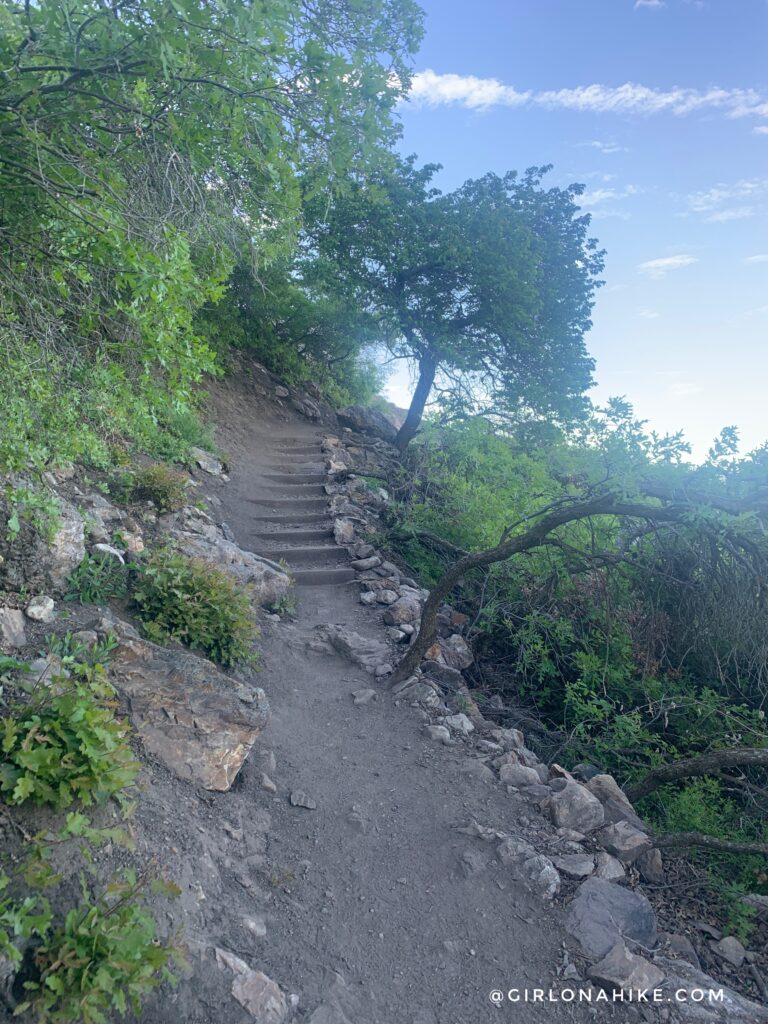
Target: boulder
[609,868]
[343,531]
[452,651]
[575,807]
[263,998]
[623,841]
[362,650]
[622,971]
[365,420]
[185,711]
[363,564]
[12,635]
[730,949]
[535,871]
[575,865]
[406,609]
[459,723]
[602,914]
[518,775]
[207,462]
[718,1005]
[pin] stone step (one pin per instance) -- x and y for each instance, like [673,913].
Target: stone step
[322,577]
[295,449]
[301,505]
[296,519]
[299,492]
[296,479]
[296,536]
[315,556]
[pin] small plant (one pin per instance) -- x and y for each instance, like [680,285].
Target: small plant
[25,504]
[161,484]
[284,605]
[196,603]
[98,578]
[105,956]
[65,743]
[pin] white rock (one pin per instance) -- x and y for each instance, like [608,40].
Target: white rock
[518,775]
[107,549]
[12,627]
[460,723]
[438,733]
[575,807]
[41,609]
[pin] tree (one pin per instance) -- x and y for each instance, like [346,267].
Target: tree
[488,289]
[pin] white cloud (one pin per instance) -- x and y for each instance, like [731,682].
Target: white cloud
[760,129]
[733,213]
[664,264]
[648,314]
[648,3]
[431,89]
[710,199]
[761,257]
[607,148]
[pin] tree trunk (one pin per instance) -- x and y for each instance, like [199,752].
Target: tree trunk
[428,364]
[694,767]
[671,840]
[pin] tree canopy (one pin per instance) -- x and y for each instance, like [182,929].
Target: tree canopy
[488,288]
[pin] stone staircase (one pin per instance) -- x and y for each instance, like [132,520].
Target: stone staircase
[292,522]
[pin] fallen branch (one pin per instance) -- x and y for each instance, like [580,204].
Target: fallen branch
[695,767]
[670,840]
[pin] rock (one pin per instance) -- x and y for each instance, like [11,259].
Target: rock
[439,733]
[199,537]
[41,609]
[452,652]
[450,677]
[680,946]
[525,865]
[518,775]
[602,913]
[584,772]
[364,550]
[365,420]
[459,723]
[384,669]
[365,651]
[267,784]
[368,597]
[478,770]
[730,949]
[623,841]
[364,696]
[472,862]
[396,635]
[86,637]
[258,994]
[575,865]
[256,925]
[12,635]
[343,531]
[281,392]
[109,551]
[299,798]
[615,804]
[609,868]
[575,807]
[30,561]
[207,462]
[387,596]
[718,1005]
[363,564]
[406,609]
[185,712]
[651,866]
[622,971]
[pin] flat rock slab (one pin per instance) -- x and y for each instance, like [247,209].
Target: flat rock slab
[362,650]
[603,913]
[186,712]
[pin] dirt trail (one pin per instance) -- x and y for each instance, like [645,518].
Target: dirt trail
[372,918]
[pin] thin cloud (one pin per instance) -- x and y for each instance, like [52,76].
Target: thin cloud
[760,129]
[648,3]
[761,257]
[648,314]
[734,213]
[722,193]
[599,196]
[430,89]
[665,264]
[608,148]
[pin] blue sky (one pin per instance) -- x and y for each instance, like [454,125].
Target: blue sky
[660,107]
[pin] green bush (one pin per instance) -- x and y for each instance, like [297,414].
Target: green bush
[105,956]
[196,603]
[162,484]
[98,578]
[64,743]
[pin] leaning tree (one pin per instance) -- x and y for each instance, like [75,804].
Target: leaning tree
[488,289]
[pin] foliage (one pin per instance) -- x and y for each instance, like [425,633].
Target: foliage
[30,505]
[98,579]
[165,486]
[488,288]
[631,645]
[64,743]
[197,603]
[105,956]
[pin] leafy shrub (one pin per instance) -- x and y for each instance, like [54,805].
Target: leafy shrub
[98,578]
[165,486]
[105,956]
[196,603]
[29,505]
[65,743]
